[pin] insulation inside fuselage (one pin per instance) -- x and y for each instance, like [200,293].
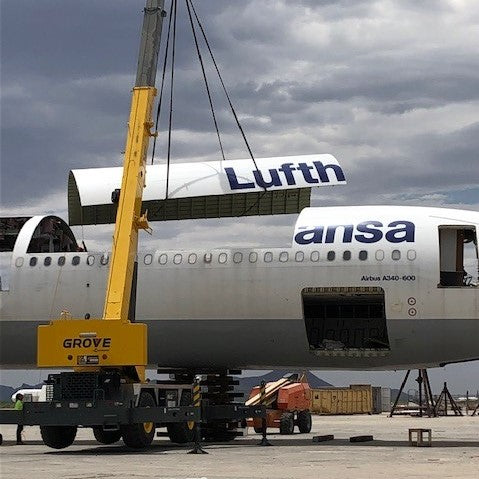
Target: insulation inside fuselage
[342,320]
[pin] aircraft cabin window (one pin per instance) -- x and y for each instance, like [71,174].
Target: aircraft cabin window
[346,255]
[177,259]
[314,256]
[331,255]
[19,262]
[299,256]
[222,258]
[163,259]
[192,258]
[90,261]
[379,255]
[76,260]
[33,261]
[283,256]
[47,261]
[458,256]
[363,255]
[253,257]
[237,257]
[396,255]
[207,258]
[104,259]
[61,261]
[411,255]
[148,259]
[268,257]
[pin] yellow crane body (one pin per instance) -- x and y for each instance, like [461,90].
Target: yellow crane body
[91,343]
[114,341]
[128,221]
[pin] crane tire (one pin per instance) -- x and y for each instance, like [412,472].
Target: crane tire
[58,437]
[140,435]
[106,437]
[180,432]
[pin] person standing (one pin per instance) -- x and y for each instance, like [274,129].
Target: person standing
[19,407]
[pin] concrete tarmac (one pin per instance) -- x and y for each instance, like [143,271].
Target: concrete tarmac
[454,454]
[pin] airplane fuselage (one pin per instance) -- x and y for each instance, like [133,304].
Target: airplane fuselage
[361,288]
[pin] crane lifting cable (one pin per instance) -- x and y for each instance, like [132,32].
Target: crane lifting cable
[200,189]
[172,82]
[195,23]
[233,111]
[200,58]
[160,99]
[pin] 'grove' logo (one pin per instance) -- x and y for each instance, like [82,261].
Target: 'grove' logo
[102,343]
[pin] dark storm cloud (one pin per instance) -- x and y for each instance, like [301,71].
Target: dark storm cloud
[341,76]
[64,39]
[432,163]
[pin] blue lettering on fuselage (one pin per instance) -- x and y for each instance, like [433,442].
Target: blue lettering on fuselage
[365,232]
[312,174]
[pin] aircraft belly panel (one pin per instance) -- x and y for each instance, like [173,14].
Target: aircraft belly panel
[269,344]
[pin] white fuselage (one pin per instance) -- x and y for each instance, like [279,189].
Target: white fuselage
[264,308]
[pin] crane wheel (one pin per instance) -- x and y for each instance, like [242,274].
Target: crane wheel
[106,437]
[286,423]
[219,431]
[141,435]
[58,437]
[305,422]
[182,432]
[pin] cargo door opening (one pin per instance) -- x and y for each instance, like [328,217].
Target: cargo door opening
[345,320]
[458,256]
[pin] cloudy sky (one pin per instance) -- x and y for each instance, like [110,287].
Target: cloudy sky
[389,87]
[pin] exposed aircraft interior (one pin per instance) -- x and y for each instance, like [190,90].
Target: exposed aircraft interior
[345,319]
[46,234]
[9,230]
[50,235]
[458,256]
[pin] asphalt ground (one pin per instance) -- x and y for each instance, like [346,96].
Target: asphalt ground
[454,454]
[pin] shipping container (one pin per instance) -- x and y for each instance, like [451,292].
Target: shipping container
[349,400]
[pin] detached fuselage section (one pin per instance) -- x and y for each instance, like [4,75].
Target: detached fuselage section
[370,287]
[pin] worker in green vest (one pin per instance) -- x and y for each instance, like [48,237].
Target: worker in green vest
[19,407]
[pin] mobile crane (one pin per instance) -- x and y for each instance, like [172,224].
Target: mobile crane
[107,389]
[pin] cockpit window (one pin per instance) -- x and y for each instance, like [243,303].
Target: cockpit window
[458,256]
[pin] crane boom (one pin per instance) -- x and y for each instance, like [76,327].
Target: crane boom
[128,219]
